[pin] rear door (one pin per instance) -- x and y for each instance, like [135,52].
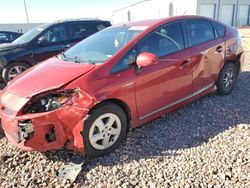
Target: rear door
[169,82]
[57,41]
[207,49]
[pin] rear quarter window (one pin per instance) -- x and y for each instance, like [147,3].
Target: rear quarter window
[219,28]
[102,25]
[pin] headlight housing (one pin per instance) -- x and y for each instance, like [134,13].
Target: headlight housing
[48,101]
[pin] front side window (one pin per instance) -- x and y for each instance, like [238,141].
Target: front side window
[125,62]
[56,34]
[199,31]
[101,46]
[163,41]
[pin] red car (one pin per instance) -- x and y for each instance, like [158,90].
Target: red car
[124,76]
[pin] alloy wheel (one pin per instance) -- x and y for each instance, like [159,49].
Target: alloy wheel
[228,78]
[15,71]
[105,131]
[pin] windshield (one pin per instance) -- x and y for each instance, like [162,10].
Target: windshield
[101,46]
[29,36]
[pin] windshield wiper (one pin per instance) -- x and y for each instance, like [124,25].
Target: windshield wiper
[76,59]
[62,55]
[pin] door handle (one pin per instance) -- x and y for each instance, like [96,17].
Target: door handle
[219,49]
[185,63]
[66,46]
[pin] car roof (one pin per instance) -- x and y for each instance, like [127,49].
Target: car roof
[155,22]
[81,20]
[46,25]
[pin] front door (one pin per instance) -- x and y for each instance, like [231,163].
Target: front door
[161,86]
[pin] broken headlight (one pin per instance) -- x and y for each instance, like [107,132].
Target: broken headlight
[48,101]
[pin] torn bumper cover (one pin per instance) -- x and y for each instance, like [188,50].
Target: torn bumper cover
[33,129]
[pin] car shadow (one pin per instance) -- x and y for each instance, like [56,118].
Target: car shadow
[191,126]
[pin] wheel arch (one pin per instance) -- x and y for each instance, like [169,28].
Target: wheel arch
[19,61]
[119,103]
[8,66]
[236,62]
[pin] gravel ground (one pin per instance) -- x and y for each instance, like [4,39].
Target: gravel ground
[204,144]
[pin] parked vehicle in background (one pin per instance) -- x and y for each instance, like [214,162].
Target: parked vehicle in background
[8,37]
[44,42]
[121,77]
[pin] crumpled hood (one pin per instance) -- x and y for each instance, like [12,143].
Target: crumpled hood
[8,46]
[50,74]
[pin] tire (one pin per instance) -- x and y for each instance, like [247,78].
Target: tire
[7,71]
[227,79]
[101,137]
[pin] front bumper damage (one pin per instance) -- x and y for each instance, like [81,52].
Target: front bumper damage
[47,130]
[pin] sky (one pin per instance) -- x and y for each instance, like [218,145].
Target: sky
[39,11]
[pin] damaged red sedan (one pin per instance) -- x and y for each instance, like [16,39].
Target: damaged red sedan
[87,97]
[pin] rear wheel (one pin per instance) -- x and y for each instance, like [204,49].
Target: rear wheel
[14,69]
[227,79]
[104,129]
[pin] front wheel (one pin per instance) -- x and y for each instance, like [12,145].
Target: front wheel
[104,129]
[227,79]
[14,69]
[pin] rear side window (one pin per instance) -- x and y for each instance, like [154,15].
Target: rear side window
[101,26]
[199,31]
[81,30]
[163,41]
[220,29]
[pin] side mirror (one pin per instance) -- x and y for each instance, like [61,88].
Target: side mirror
[42,40]
[145,59]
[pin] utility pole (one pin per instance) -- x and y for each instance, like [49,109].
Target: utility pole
[26,12]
